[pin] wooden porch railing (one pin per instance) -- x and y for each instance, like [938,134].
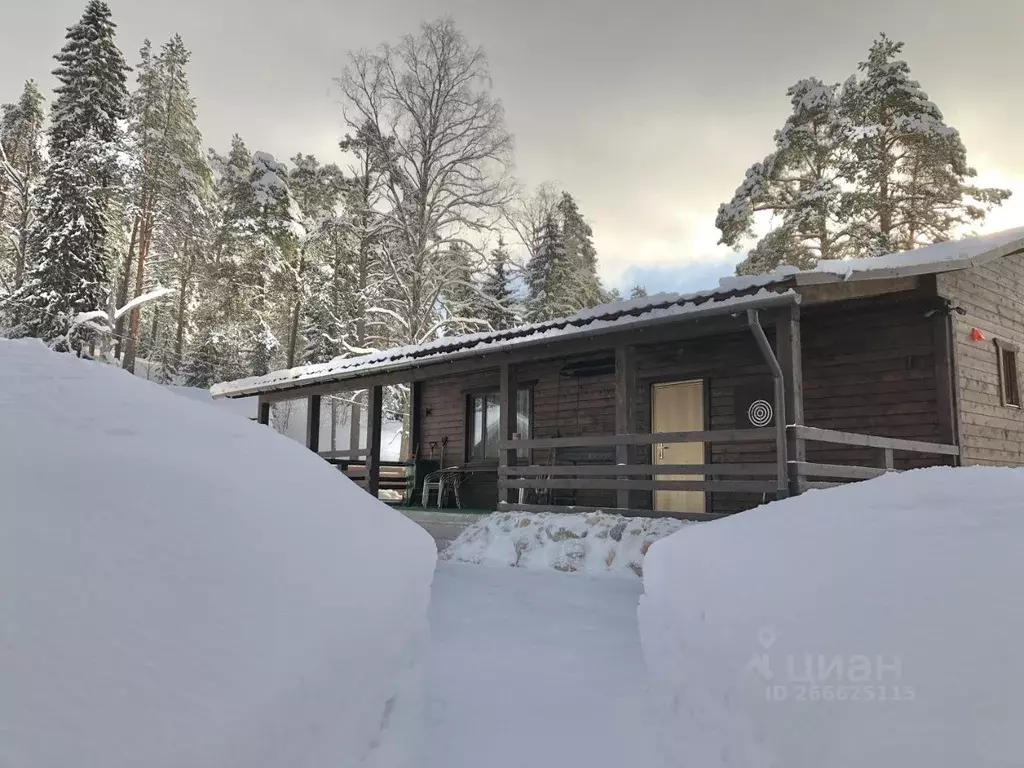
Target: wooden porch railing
[839,474]
[763,477]
[355,465]
[718,478]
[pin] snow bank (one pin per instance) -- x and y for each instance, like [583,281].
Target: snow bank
[594,542]
[877,624]
[182,587]
[243,406]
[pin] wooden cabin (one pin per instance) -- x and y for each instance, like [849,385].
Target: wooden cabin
[710,403]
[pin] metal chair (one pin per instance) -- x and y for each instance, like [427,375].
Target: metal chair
[439,481]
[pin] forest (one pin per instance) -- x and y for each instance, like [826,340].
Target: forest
[123,236]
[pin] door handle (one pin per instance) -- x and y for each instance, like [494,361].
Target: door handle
[661,451]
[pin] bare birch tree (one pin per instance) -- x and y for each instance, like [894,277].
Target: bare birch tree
[441,136]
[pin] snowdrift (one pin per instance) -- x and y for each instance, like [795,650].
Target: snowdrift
[183,587]
[593,542]
[878,624]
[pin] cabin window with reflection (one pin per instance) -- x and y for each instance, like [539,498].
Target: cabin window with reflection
[485,423]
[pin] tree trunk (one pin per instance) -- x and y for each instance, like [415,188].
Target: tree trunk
[334,423]
[353,434]
[293,331]
[154,340]
[21,257]
[122,288]
[131,347]
[183,289]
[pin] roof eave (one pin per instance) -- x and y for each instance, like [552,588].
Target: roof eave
[912,270]
[715,310]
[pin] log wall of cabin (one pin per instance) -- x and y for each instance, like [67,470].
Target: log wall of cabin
[870,368]
[570,406]
[991,295]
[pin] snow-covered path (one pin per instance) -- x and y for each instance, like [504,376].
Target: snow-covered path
[531,669]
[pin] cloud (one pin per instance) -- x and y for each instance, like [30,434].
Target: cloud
[679,278]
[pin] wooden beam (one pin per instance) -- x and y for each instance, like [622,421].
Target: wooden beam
[805,469]
[415,418]
[695,516]
[834,290]
[375,423]
[789,350]
[610,470]
[781,440]
[313,423]
[612,484]
[701,436]
[945,383]
[888,459]
[263,416]
[509,423]
[815,434]
[625,413]
[354,453]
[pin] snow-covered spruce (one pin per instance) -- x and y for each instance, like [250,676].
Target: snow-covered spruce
[68,273]
[877,624]
[234,601]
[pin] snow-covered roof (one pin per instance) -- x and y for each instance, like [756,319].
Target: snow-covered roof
[649,310]
[734,294]
[930,259]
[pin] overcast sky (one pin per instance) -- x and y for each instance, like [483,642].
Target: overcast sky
[648,112]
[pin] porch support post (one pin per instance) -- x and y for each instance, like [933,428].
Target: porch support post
[508,404]
[790,354]
[375,422]
[625,415]
[945,379]
[263,415]
[782,463]
[415,418]
[313,423]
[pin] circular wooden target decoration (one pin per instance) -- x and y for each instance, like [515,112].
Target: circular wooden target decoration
[760,413]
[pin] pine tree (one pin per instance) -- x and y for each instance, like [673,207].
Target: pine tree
[499,308]
[579,247]
[171,186]
[909,168]
[549,277]
[637,292]
[69,274]
[869,167]
[317,190]
[22,163]
[800,183]
[779,247]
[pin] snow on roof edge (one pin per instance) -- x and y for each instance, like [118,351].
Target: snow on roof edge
[953,254]
[664,307]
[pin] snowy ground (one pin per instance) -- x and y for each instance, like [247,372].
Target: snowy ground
[535,669]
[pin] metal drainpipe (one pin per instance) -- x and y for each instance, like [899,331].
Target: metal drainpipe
[781,458]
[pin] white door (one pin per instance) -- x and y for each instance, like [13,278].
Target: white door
[678,406]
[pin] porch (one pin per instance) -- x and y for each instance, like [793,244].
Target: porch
[497,423]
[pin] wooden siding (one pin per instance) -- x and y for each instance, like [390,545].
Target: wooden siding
[725,363]
[869,367]
[992,295]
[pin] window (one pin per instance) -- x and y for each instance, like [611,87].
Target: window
[485,423]
[1009,383]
